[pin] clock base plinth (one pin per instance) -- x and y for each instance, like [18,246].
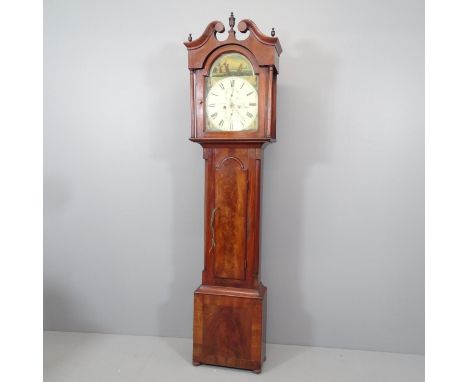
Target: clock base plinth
[229,327]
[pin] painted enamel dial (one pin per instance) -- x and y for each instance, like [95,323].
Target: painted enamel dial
[232,105]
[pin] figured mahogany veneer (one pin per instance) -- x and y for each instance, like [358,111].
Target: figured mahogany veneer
[230,305]
[229,327]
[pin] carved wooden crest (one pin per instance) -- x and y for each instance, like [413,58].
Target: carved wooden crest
[267,49]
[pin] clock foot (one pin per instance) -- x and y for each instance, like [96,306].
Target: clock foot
[195,363]
[258,371]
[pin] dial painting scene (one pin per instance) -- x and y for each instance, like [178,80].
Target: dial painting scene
[233,110]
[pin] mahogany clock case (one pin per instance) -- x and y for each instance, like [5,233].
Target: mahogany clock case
[230,305]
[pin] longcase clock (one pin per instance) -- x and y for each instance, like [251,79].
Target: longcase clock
[233,103]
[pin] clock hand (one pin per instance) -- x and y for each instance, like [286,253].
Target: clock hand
[241,117]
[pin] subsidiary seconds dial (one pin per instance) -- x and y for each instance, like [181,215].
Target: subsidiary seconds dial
[232,105]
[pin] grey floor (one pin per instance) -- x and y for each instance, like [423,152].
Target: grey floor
[70,357]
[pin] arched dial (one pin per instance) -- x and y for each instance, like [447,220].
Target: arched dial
[232,105]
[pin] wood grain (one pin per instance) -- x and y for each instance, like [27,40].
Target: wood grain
[231,326]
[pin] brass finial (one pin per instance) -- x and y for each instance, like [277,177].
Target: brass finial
[190,37]
[273,32]
[232,21]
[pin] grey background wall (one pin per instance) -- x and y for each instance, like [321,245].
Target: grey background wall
[343,219]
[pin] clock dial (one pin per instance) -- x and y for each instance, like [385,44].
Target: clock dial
[232,105]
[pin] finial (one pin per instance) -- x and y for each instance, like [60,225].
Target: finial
[190,37]
[273,32]
[232,21]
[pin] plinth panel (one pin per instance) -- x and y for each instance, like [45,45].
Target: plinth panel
[229,327]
